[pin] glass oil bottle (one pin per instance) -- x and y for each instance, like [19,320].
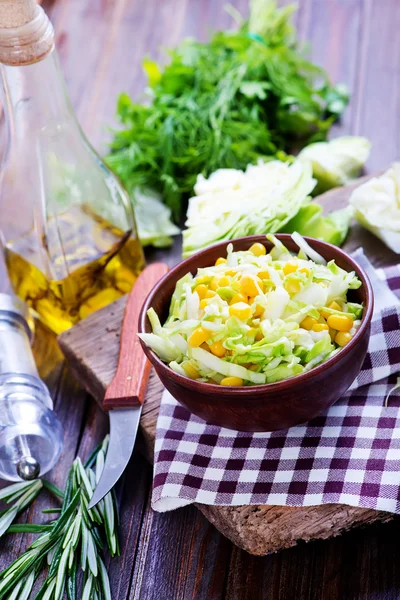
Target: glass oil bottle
[67,225]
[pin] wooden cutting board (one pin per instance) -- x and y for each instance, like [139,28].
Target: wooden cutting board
[92,349]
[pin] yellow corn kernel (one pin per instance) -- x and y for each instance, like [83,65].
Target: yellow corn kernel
[231,273]
[190,371]
[217,349]
[198,337]
[224,282]
[240,310]
[308,323]
[305,271]
[340,322]
[332,334]
[201,290]
[232,381]
[205,346]
[259,336]
[289,268]
[342,338]
[263,274]
[204,303]
[320,327]
[249,285]
[252,331]
[202,279]
[238,298]
[220,261]
[259,310]
[292,287]
[258,249]
[214,284]
[334,305]
[210,294]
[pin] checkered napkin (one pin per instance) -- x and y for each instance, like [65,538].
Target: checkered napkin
[348,455]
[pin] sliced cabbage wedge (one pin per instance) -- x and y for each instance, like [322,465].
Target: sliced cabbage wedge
[337,162]
[377,206]
[266,198]
[257,317]
[153,219]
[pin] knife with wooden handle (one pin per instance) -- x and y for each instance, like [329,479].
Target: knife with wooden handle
[125,394]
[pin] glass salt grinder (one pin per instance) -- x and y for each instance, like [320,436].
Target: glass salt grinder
[31,436]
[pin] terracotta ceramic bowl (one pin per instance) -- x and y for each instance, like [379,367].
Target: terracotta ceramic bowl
[270,406]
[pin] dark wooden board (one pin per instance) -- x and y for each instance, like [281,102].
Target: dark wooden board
[179,555]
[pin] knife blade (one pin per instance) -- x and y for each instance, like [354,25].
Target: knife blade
[124,396]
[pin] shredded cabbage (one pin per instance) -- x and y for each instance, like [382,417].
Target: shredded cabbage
[257,317]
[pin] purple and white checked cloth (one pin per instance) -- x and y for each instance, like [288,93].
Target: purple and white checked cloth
[348,455]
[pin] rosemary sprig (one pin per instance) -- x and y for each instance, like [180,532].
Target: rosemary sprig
[21,494]
[70,544]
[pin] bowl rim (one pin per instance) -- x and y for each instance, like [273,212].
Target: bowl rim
[277,386]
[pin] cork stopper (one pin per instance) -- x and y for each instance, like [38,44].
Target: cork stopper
[26,34]
[15,13]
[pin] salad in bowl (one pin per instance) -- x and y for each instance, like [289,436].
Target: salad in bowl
[256,317]
[261,333]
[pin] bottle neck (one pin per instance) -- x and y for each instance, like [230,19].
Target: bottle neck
[34,95]
[26,34]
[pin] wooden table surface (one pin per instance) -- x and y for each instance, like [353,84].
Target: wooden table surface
[179,555]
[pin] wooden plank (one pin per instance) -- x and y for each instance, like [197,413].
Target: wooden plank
[358,566]
[260,529]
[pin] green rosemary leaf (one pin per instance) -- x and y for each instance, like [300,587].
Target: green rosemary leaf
[100,460]
[87,590]
[84,479]
[55,559]
[19,572]
[116,505]
[71,531]
[109,523]
[27,588]
[71,582]
[50,511]
[105,582]
[66,515]
[29,528]
[46,591]
[77,530]
[74,540]
[68,489]
[15,488]
[15,593]
[62,567]
[7,519]
[90,461]
[91,554]
[96,536]
[84,546]
[29,495]
[54,489]
[23,495]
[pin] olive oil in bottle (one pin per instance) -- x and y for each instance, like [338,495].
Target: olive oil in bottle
[66,224]
[92,263]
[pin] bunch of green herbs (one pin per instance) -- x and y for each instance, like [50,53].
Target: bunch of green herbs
[69,548]
[246,94]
